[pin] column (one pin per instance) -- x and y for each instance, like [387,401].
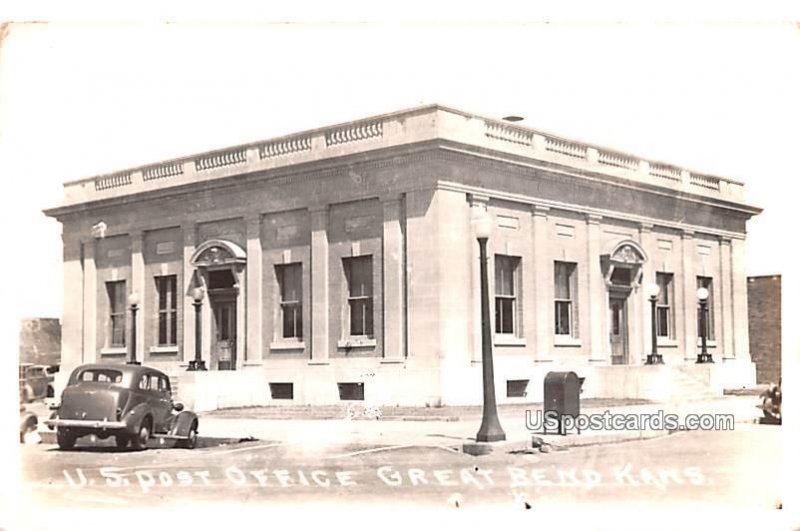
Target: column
[543,293]
[137,286]
[647,241]
[71,332]
[725,292]
[188,283]
[319,284]
[689,286]
[393,329]
[89,302]
[478,203]
[598,304]
[741,335]
[253,291]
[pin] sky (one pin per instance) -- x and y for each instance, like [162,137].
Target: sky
[79,98]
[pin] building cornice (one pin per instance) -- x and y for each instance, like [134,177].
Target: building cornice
[401,130]
[590,213]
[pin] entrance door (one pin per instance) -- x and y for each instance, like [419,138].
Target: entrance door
[618,320]
[225,334]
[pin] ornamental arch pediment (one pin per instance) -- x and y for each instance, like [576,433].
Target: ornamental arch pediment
[218,254]
[622,264]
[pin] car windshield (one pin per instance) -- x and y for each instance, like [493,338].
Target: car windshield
[100,375]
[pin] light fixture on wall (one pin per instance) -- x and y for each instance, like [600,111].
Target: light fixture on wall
[133,302]
[654,358]
[703,356]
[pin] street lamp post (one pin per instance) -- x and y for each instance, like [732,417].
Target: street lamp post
[197,364]
[490,429]
[654,358]
[133,300]
[703,356]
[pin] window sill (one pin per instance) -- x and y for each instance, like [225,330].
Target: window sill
[171,349]
[506,340]
[567,341]
[709,343]
[667,343]
[354,342]
[113,351]
[287,345]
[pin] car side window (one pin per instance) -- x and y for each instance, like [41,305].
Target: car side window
[144,382]
[163,385]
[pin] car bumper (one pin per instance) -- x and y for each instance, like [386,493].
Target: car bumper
[95,424]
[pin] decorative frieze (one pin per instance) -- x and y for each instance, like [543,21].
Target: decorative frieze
[285,147]
[224,158]
[354,133]
[162,171]
[115,180]
[507,133]
[570,149]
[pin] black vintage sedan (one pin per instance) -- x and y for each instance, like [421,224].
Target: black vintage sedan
[132,403]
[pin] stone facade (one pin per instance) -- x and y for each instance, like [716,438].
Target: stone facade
[363,234]
[764,297]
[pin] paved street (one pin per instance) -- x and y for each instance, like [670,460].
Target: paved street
[735,469]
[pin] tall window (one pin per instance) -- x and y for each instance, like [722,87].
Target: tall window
[506,288]
[664,306]
[358,271]
[166,290]
[566,290]
[116,312]
[708,283]
[290,280]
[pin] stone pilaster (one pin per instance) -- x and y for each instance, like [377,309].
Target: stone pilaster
[319,284]
[598,305]
[393,292]
[725,291]
[89,301]
[647,241]
[253,291]
[137,286]
[741,335]
[71,333]
[543,293]
[689,296]
[188,348]
[478,203]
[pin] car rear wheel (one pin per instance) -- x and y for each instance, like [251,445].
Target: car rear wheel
[190,441]
[65,439]
[139,441]
[122,441]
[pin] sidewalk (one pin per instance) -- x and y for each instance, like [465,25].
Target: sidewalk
[315,434]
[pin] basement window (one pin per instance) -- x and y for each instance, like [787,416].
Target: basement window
[516,388]
[281,391]
[351,391]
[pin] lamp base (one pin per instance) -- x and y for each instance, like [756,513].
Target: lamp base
[197,365]
[134,362]
[654,359]
[704,358]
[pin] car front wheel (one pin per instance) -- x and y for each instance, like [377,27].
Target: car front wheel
[139,441]
[122,441]
[65,439]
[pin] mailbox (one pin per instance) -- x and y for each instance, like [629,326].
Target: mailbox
[562,396]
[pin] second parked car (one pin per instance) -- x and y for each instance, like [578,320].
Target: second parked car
[132,403]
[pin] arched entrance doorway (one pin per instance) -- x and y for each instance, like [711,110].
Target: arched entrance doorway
[219,266]
[622,270]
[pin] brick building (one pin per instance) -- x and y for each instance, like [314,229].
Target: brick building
[764,297]
[341,263]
